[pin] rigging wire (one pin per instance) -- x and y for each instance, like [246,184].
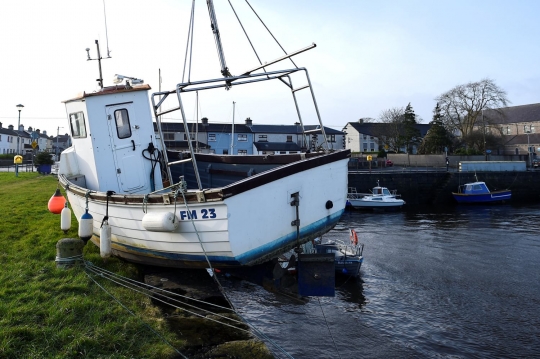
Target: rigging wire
[245,33]
[266,27]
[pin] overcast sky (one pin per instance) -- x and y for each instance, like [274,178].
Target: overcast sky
[370,55]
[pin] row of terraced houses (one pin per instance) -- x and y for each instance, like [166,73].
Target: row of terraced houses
[518,125]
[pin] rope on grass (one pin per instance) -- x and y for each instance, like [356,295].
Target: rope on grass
[133,314]
[167,298]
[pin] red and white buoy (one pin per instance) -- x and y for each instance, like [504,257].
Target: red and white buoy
[57,202]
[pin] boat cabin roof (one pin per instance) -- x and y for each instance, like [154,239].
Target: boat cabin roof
[381,190]
[110,90]
[475,188]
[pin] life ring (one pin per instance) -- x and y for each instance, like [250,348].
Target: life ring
[354,237]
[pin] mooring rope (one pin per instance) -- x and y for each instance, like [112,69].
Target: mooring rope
[182,189]
[133,314]
[328,327]
[151,291]
[152,295]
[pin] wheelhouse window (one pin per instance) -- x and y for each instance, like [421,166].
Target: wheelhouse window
[123,129]
[242,137]
[77,125]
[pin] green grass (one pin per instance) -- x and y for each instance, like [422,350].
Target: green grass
[46,312]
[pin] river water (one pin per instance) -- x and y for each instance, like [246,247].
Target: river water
[455,282]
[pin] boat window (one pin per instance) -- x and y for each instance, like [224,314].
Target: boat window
[386,192]
[477,187]
[468,187]
[377,199]
[77,125]
[123,129]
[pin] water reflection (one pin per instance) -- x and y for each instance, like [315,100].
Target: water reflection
[456,281]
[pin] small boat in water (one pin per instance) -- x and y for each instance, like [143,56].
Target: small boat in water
[379,198]
[478,192]
[348,257]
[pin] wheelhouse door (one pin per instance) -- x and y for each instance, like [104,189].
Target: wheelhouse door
[126,146]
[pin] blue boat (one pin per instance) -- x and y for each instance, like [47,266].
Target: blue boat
[478,192]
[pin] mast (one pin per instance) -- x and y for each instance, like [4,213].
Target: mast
[213,23]
[232,130]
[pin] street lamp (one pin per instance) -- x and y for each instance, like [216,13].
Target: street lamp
[57,134]
[528,149]
[19,107]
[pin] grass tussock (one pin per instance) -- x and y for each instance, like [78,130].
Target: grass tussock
[46,312]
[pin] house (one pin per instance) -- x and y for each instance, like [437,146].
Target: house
[518,125]
[60,143]
[368,136]
[7,138]
[247,138]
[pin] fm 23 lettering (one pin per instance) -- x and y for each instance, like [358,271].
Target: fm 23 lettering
[205,213]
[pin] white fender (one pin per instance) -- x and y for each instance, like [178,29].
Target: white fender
[160,222]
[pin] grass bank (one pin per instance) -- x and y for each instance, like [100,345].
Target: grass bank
[47,312]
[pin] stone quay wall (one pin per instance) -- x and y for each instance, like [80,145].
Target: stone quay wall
[435,188]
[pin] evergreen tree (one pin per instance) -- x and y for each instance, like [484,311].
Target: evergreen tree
[437,137]
[411,134]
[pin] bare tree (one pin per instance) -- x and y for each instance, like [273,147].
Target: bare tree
[462,106]
[392,129]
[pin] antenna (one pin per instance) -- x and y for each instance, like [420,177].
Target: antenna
[106,33]
[99,58]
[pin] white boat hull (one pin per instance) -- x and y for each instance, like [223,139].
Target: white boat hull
[246,228]
[359,203]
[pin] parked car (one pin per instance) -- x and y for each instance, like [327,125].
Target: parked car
[389,163]
[535,163]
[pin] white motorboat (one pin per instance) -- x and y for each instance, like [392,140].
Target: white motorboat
[117,173]
[380,197]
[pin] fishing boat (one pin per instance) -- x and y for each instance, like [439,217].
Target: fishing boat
[130,197]
[379,198]
[348,256]
[478,192]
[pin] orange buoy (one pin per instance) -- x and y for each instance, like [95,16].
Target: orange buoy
[57,202]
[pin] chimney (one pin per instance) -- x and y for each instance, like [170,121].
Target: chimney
[21,128]
[0,124]
[30,129]
[204,121]
[361,120]
[37,131]
[45,132]
[249,122]
[10,127]
[297,123]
